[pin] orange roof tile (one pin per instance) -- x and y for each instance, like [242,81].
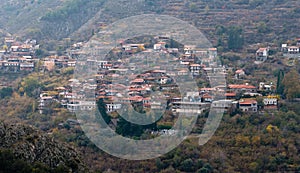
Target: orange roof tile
[241,87]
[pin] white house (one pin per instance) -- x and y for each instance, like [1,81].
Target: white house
[189,49]
[213,53]
[265,87]
[195,69]
[223,105]
[248,105]
[159,46]
[293,50]
[110,107]
[81,105]
[262,54]
[270,102]
[189,107]
[239,73]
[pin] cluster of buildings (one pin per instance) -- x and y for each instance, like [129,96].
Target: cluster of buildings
[291,50]
[108,84]
[18,56]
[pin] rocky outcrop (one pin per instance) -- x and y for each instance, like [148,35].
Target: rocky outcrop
[30,145]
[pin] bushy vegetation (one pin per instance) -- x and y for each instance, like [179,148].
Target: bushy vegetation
[70,8]
[6,92]
[9,163]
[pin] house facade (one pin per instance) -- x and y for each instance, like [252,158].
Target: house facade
[262,54]
[248,105]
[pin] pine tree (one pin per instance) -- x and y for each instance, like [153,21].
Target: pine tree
[280,87]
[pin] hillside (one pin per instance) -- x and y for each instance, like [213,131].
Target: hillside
[261,20]
[16,16]
[32,146]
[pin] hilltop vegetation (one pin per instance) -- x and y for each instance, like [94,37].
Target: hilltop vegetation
[260,20]
[24,149]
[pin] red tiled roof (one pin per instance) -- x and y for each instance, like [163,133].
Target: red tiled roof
[247,102]
[240,71]
[207,96]
[230,94]
[262,49]
[137,81]
[207,89]
[136,98]
[195,65]
[241,87]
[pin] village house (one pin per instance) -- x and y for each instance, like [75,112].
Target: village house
[195,69]
[207,90]
[262,54]
[207,98]
[248,105]
[186,61]
[189,50]
[230,96]
[266,87]
[111,107]
[175,99]
[74,105]
[11,66]
[159,46]
[298,42]
[131,48]
[157,105]
[139,90]
[137,81]
[164,80]
[213,53]
[87,105]
[239,74]
[237,88]
[102,63]
[270,102]
[225,106]
[107,66]
[44,101]
[173,50]
[27,67]
[14,48]
[189,107]
[284,48]
[201,54]
[77,45]
[9,41]
[293,50]
[71,63]
[147,102]
[183,72]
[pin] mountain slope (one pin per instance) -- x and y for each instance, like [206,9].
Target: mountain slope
[261,20]
[27,144]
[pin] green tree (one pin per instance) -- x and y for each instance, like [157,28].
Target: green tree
[6,92]
[31,86]
[187,165]
[235,38]
[291,84]
[280,87]
[102,110]
[262,27]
